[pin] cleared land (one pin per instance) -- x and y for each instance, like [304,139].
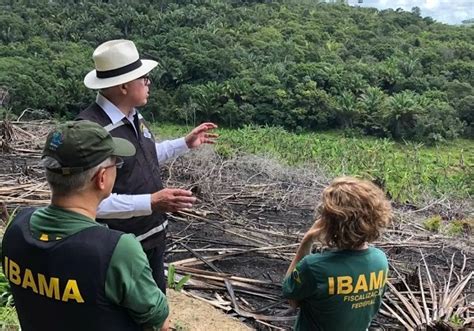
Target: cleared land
[239,239]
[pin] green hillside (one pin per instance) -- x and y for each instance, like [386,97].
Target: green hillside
[301,65]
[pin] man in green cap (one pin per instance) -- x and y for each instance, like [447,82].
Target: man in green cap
[66,271]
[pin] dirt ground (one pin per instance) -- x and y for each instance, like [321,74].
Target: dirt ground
[189,314]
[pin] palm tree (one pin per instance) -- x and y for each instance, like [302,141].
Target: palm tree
[408,66]
[347,110]
[389,74]
[372,105]
[401,115]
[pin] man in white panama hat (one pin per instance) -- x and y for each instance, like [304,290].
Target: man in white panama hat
[139,201]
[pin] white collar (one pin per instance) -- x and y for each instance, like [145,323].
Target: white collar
[112,111]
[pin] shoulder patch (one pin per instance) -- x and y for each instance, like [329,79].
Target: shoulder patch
[296,276]
[145,130]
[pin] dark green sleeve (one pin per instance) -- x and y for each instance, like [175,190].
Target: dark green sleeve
[129,284]
[300,284]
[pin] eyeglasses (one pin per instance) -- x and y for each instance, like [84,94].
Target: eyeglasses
[146,79]
[118,164]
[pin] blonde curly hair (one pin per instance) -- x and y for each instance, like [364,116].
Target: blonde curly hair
[352,212]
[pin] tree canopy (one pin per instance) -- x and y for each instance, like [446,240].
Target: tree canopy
[298,64]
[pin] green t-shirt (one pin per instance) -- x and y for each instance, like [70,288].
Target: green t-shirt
[129,282]
[338,290]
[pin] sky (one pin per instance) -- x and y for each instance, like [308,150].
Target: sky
[445,11]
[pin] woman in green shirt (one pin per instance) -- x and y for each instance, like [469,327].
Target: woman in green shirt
[342,288]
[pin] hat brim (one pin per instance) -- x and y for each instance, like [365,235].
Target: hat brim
[92,82]
[123,147]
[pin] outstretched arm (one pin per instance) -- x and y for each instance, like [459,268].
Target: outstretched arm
[168,149]
[123,206]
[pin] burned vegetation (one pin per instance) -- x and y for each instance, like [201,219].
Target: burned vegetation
[238,241]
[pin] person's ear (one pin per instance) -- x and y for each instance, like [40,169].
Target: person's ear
[100,179]
[123,89]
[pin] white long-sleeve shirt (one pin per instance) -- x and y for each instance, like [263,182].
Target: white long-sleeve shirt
[123,206]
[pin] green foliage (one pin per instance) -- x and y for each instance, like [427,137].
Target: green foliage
[455,228]
[172,284]
[408,171]
[5,293]
[7,114]
[433,223]
[9,319]
[460,227]
[8,316]
[456,320]
[301,65]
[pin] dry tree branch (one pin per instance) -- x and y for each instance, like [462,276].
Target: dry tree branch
[414,320]
[394,314]
[432,288]
[418,313]
[425,306]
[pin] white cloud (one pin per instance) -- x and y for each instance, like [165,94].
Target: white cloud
[461,15]
[446,11]
[431,4]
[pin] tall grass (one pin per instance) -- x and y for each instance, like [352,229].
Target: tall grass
[408,171]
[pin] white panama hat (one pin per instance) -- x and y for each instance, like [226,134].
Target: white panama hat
[116,62]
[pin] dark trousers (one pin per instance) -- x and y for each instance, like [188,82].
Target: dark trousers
[156,258]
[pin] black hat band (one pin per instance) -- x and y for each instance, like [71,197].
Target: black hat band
[119,71]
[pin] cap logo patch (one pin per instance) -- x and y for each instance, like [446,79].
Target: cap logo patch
[56,141]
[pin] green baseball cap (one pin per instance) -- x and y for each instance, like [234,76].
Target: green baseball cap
[81,145]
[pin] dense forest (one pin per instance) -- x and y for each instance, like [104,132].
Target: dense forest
[301,65]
